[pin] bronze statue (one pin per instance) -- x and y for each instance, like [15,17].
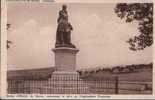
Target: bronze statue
[63,35]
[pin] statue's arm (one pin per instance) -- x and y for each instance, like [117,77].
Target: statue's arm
[60,15]
[71,27]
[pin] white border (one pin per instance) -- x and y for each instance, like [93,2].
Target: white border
[3,70]
[3,49]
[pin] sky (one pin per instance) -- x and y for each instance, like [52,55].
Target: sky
[98,34]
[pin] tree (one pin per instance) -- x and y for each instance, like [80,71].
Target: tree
[143,14]
[8,42]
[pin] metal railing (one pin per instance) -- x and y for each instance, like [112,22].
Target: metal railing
[64,84]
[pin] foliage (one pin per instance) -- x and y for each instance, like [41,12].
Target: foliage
[8,42]
[143,14]
[117,69]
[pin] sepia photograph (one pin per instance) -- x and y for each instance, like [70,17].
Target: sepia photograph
[80,48]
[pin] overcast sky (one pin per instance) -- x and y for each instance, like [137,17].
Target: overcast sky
[98,33]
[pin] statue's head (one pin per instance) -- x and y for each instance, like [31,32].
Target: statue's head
[64,7]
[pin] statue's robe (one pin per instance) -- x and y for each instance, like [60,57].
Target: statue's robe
[62,26]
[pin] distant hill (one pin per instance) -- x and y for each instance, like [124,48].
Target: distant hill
[140,72]
[41,73]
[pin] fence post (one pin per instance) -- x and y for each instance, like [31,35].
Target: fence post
[77,83]
[116,85]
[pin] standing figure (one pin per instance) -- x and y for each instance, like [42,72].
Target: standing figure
[63,35]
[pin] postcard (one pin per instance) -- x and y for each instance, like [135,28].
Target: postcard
[93,49]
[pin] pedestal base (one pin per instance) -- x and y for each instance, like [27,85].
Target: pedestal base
[63,82]
[65,58]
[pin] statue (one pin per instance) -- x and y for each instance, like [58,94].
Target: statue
[63,35]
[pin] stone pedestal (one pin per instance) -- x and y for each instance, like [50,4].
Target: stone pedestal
[65,58]
[65,80]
